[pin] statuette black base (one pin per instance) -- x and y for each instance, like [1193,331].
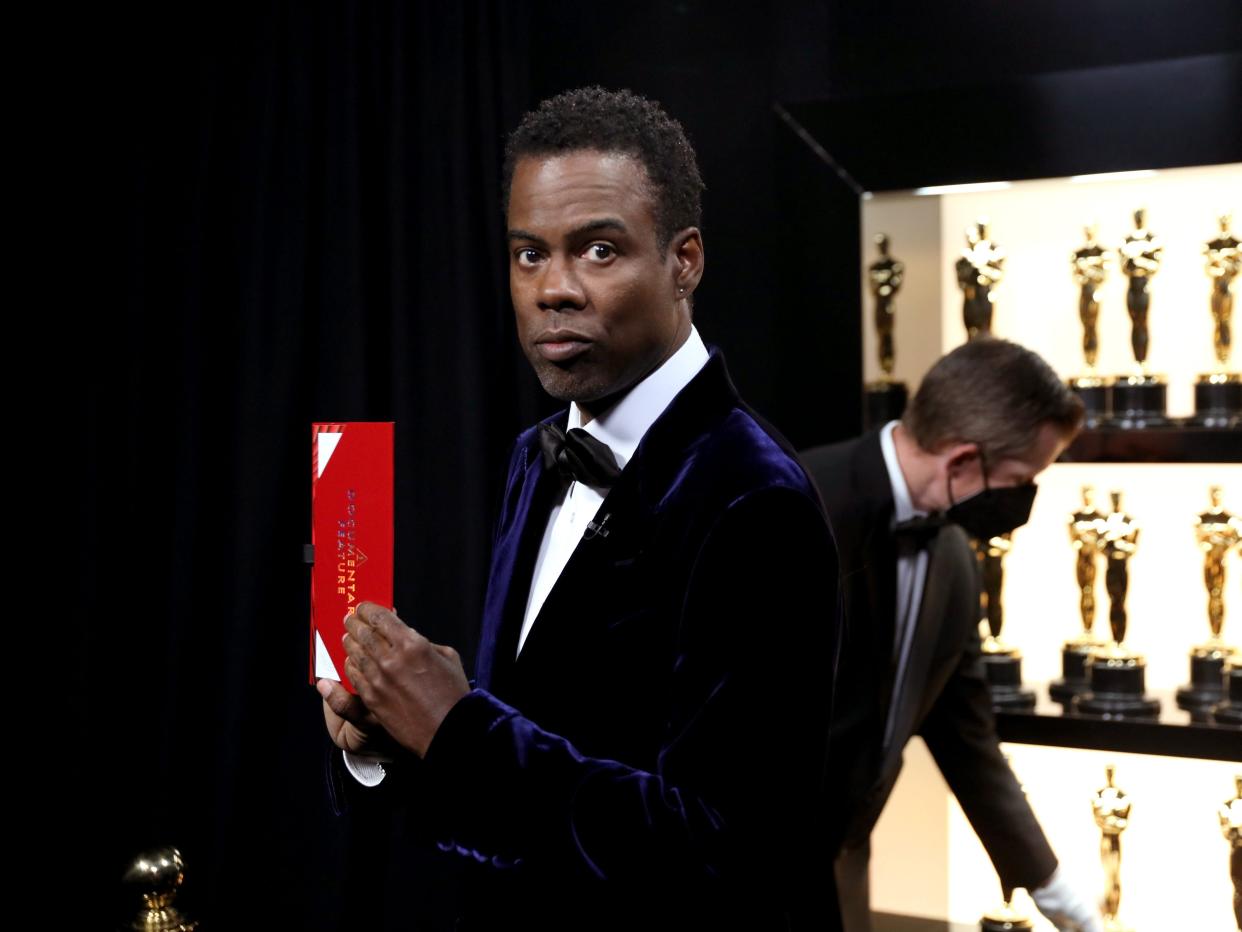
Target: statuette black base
[1229,712]
[1004,674]
[1097,399]
[1207,682]
[1074,657]
[883,401]
[1001,923]
[1218,400]
[1139,402]
[1117,689]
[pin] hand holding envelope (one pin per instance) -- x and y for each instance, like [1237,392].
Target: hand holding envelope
[406,685]
[350,726]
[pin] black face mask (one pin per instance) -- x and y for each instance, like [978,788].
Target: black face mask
[992,512]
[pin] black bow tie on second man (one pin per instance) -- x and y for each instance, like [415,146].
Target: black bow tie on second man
[918,531]
[577,455]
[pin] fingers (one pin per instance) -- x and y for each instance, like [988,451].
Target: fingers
[383,622]
[341,701]
[362,629]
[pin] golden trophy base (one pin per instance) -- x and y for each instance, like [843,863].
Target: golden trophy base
[157,875]
[1218,400]
[995,647]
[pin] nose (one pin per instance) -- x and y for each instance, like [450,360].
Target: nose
[559,286]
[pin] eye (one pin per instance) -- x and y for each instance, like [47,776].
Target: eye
[600,252]
[526,256]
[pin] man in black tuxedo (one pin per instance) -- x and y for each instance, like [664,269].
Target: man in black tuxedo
[987,418]
[660,628]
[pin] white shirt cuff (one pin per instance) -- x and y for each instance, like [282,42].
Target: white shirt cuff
[369,771]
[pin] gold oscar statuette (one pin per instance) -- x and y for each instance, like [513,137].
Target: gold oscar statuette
[979,271]
[885,275]
[1085,529]
[1006,917]
[157,875]
[1090,266]
[1140,261]
[1001,663]
[1231,827]
[1111,808]
[1086,525]
[1218,394]
[1139,399]
[1118,543]
[1090,263]
[1116,675]
[885,399]
[1217,532]
[991,557]
[1224,262]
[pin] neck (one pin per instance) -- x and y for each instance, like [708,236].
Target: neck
[919,468]
[592,409]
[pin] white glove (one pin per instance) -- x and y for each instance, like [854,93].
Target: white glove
[1065,907]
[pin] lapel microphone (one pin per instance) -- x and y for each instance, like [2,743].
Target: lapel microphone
[593,529]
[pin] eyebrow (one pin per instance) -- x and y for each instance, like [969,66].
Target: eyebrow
[591,226]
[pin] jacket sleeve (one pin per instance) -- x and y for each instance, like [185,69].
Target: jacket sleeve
[960,732]
[741,760]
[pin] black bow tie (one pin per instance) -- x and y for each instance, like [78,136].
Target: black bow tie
[578,455]
[919,531]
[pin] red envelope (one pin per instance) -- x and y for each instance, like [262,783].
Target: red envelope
[351,534]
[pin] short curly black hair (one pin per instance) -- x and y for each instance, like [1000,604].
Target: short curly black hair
[592,118]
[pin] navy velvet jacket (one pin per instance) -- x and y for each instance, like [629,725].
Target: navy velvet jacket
[665,726]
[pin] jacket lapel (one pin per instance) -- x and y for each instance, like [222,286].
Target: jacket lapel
[529,496]
[928,630]
[879,553]
[622,525]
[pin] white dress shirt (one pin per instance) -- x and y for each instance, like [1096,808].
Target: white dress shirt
[911,574]
[1057,898]
[622,427]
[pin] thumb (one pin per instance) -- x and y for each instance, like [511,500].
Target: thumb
[341,701]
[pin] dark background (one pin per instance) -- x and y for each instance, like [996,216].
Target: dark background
[289,212]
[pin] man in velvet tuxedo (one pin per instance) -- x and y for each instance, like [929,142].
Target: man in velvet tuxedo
[987,418]
[660,628]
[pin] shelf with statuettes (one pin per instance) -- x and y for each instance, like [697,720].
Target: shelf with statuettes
[1172,733]
[1137,318]
[1177,443]
[1101,701]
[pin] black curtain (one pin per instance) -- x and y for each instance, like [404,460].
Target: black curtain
[295,216]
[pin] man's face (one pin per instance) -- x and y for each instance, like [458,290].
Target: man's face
[598,304]
[966,476]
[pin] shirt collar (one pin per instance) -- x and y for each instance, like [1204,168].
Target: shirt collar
[903,505]
[623,425]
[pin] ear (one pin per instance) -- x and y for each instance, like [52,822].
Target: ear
[686,252]
[961,457]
